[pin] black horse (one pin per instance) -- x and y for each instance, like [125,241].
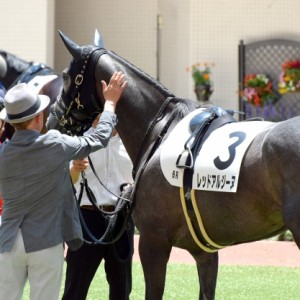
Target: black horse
[267,198]
[44,80]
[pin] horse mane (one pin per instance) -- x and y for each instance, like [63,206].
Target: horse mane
[142,75]
[14,62]
[184,107]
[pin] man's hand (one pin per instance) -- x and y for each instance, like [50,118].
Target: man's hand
[78,166]
[113,91]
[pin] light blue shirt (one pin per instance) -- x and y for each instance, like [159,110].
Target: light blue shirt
[113,167]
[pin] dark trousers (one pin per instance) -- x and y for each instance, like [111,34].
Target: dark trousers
[83,263]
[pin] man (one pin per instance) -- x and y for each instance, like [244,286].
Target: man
[113,167]
[39,211]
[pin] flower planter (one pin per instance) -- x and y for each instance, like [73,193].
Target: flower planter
[289,79]
[202,80]
[203,92]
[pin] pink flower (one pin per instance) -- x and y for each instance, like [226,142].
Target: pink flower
[249,93]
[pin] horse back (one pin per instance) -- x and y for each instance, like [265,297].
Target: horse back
[253,212]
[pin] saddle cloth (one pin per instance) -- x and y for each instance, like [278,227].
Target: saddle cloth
[217,165]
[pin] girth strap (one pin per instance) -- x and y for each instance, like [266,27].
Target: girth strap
[212,120]
[197,229]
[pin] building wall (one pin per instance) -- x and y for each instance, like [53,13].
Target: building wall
[127,27]
[218,26]
[26,29]
[176,46]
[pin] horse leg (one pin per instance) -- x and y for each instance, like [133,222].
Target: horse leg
[207,267]
[291,214]
[154,254]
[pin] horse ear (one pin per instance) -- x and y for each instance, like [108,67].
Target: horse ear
[98,39]
[73,48]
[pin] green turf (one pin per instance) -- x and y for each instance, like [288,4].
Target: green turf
[234,283]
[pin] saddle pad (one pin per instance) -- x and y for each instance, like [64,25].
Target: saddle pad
[39,81]
[217,165]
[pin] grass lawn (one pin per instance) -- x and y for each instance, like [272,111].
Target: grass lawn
[234,283]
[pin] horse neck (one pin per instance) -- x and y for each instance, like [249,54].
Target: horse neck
[136,118]
[140,103]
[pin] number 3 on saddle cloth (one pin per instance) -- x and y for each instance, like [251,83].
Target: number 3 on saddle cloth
[200,148]
[201,126]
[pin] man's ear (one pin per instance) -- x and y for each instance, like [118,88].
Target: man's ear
[39,117]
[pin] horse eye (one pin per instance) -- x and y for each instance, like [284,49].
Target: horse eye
[66,79]
[65,74]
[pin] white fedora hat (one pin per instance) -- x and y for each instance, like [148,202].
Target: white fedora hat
[22,103]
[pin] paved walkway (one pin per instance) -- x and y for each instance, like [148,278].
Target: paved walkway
[261,253]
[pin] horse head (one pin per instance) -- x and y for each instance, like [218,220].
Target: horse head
[78,104]
[11,67]
[143,100]
[82,99]
[42,78]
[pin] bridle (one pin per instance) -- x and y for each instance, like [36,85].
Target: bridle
[74,118]
[72,123]
[122,203]
[71,113]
